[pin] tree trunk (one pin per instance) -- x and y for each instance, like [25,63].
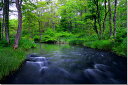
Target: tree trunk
[19,30]
[114,19]
[105,15]
[1,8]
[6,19]
[110,18]
[98,18]
[39,22]
[95,26]
[0,28]
[3,21]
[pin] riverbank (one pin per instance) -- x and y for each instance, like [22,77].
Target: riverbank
[11,59]
[119,48]
[106,45]
[117,45]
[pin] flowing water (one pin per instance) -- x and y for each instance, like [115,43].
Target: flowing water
[65,64]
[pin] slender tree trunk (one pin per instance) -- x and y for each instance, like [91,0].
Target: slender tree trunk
[98,18]
[19,30]
[1,8]
[114,19]
[105,15]
[110,18]
[95,27]
[6,19]
[39,22]
[3,21]
[99,21]
[0,28]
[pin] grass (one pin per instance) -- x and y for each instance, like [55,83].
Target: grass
[109,45]
[118,47]
[100,44]
[10,59]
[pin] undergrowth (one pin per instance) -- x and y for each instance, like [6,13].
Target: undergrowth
[11,59]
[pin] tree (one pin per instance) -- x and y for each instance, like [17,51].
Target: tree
[105,15]
[110,18]
[6,19]
[0,28]
[19,30]
[98,17]
[1,7]
[114,18]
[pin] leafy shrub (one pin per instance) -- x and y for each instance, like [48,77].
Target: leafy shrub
[51,36]
[49,39]
[121,48]
[101,44]
[27,43]
[121,34]
[120,45]
[36,38]
[81,38]
[3,43]
[76,41]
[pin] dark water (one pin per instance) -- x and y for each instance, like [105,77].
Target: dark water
[65,64]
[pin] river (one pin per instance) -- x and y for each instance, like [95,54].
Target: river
[66,64]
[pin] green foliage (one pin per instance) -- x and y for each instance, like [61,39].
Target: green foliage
[121,34]
[27,43]
[36,38]
[100,44]
[3,43]
[13,26]
[80,38]
[10,60]
[76,41]
[51,36]
[121,48]
[71,21]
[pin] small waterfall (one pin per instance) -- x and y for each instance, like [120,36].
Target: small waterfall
[41,64]
[38,61]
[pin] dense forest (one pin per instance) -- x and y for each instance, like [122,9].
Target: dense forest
[98,24]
